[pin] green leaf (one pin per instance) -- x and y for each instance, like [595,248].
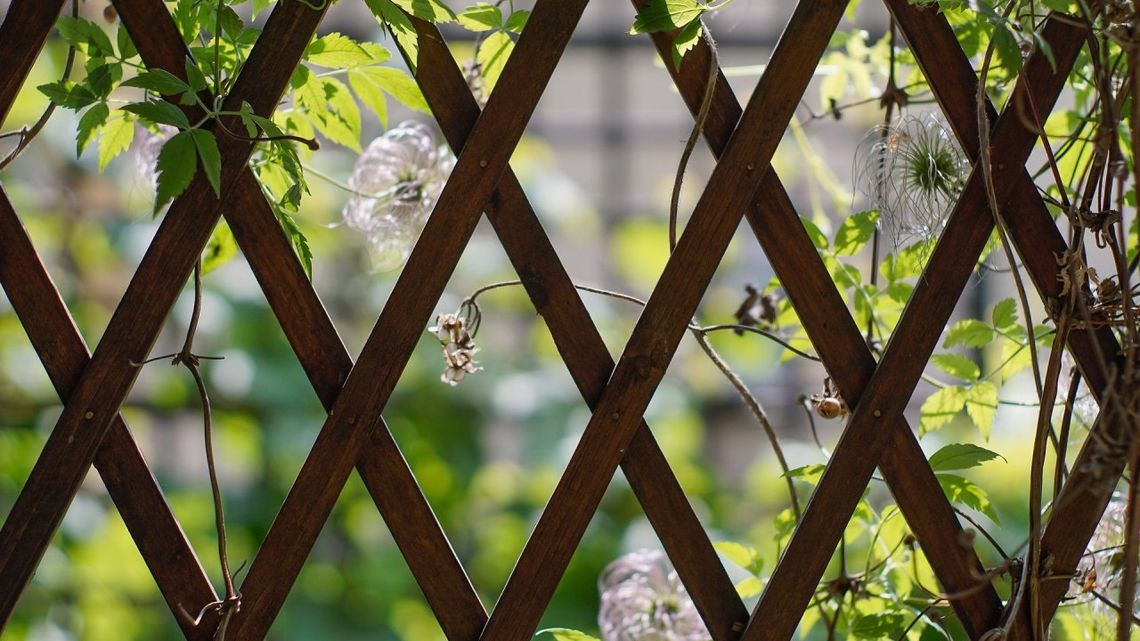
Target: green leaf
[965,492]
[1004,314]
[396,83]
[221,248]
[177,163]
[337,51]
[91,121]
[957,365]
[159,81]
[961,456]
[68,95]
[744,556]
[749,587]
[207,148]
[160,113]
[232,24]
[969,332]
[566,634]
[981,405]
[685,41]
[818,238]
[127,48]
[879,625]
[332,110]
[941,407]
[86,36]
[809,473]
[401,27]
[118,132]
[1008,50]
[431,10]
[516,22]
[666,15]
[481,17]
[492,57]
[101,78]
[296,238]
[369,93]
[855,231]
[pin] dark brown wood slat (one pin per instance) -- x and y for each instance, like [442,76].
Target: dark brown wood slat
[106,380]
[837,339]
[356,412]
[326,362]
[22,35]
[1031,228]
[135,492]
[589,362]
[663,322]
[917,333]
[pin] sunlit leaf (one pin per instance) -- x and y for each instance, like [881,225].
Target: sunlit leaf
[981,405]
[957,365]
[969,332]
[941,407]
[965,492]
[961,456]
[666,15]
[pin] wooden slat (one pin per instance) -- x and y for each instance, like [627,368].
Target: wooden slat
[356,413]
[580,344]
[22,35]
[917,333]
[135,492]
[106,380]
[663,323]
[838,341]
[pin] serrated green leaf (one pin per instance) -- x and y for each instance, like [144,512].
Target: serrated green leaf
[744,556]
[492,57]
[231,22]
[332,110]
[194,76]
[981,405]
[809,473]
[941,407]
[818,238]
[397,22]
[961,456]
[177,162]
[159,113]
[666,15]
[566,634]
[221,248]
[159,81]
[101,78]
[686,39]
[969,332]
[965,492]
[370,94]
[398,84]
[207,148]
[296,238]
[1008,50]
[337,51]
[1004,314]
[516,22]
[855,231]
[879,625]
[957,365]
[68,95]
[127,49]
[481,17]
[749,587]
[91,121]
[85,36]
[117,134]
[431,10]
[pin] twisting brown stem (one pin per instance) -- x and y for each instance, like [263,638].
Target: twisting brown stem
[27,134]
[694,135]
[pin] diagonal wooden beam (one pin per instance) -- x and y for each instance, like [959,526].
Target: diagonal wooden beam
[356,412]
[864,440]
[1077,510]
[22,35]
[554,296]
[100,391]
[837,339]
[663,322]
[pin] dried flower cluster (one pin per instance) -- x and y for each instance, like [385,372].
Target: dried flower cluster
[643,599]
[912,172]
[1103,564]
[395,184]
[458,348]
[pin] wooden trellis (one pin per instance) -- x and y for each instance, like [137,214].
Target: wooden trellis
[94,385]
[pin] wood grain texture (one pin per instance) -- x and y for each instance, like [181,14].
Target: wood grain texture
[356,413]
[22,35]
[134,490]
[662,323]
[580,344]
[837,339]
[917,333]
[97,395]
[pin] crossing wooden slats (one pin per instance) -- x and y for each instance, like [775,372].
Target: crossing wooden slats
[910,346]
[106,380]
[662,323]
[1030,226]
[357,410]
[582,348]
[837,339]
[25,28]
[120,464]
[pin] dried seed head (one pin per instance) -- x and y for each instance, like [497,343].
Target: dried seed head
[643,599]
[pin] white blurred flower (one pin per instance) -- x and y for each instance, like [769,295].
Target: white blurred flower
[395,184]
[643,599]
[147,145]
[911,172]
